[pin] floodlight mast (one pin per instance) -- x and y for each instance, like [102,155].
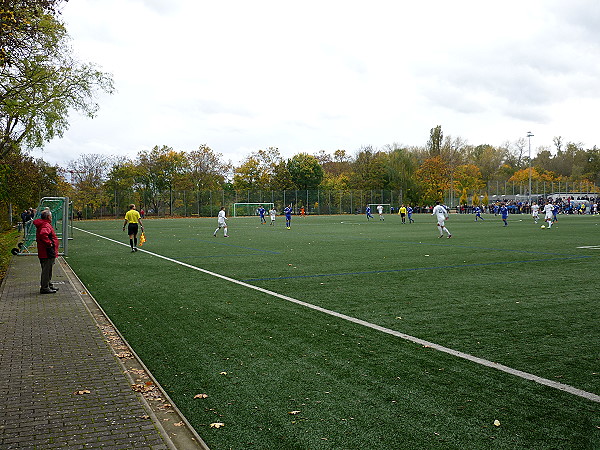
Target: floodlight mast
[529,135]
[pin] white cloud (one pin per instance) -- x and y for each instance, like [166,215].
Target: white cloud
[239,76]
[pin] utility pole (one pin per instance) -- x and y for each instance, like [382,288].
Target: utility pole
[529,135]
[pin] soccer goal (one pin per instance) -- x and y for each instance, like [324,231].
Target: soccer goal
[386,207]
[59,206]
[250,209]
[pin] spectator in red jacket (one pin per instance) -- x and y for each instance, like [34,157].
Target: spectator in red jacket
[47,244]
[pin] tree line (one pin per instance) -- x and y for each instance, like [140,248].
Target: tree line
[423,174]
[41,82]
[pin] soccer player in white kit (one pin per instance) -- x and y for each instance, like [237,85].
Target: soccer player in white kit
[380,212]
[442,216]
[272,213]
[221,222]
[535,212]
[548,209]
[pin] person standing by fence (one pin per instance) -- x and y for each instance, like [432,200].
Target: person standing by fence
[47,244]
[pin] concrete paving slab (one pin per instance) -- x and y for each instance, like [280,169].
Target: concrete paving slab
[62,384]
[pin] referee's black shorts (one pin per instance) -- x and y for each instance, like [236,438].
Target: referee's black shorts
[132,228]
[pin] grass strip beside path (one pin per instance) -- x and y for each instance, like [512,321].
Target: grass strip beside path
[8,240]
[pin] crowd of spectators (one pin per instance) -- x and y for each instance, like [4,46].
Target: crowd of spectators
[565,205]
[27,216]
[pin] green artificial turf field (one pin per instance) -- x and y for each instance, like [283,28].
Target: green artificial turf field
[281,375]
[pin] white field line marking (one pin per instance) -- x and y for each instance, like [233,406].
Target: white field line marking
[593,247]
[484,362]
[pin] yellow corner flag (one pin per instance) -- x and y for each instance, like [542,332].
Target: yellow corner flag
[142,239]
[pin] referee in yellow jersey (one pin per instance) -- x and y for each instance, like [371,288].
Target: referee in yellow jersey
[132,217]
[402,212]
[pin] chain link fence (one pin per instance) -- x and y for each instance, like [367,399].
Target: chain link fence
[205,203]
[208,203]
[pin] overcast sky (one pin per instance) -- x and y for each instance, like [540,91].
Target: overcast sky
[243,75]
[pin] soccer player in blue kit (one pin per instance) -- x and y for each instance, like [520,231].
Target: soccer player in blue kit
[504,213]
[478,213]
[368,211]
[555,210]
[288,216]
[261,213]
[409,211]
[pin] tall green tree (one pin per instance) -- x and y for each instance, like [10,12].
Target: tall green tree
[369,169]
[558,142]
[518,154]
[42,83]
[436,138]
[19,25]
[545,160]
[305,171]
[157,171]
[248,174]
[121,183]
[282,178]
[572,161]
[88,174]
[258,170]
[401,166]
[24,180]
[205,168]
[592,169]
[487,158]
[339,164]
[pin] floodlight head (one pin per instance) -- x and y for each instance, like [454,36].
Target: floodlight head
[529,134]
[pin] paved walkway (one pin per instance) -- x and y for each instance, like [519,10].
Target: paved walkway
[61,382]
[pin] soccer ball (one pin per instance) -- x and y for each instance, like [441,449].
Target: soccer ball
[543,226]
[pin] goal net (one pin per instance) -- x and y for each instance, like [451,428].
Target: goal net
[386,207]
[59,207]
[250,209]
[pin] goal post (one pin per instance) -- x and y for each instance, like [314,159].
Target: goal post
[250,209]
[59,207]
[386,207]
